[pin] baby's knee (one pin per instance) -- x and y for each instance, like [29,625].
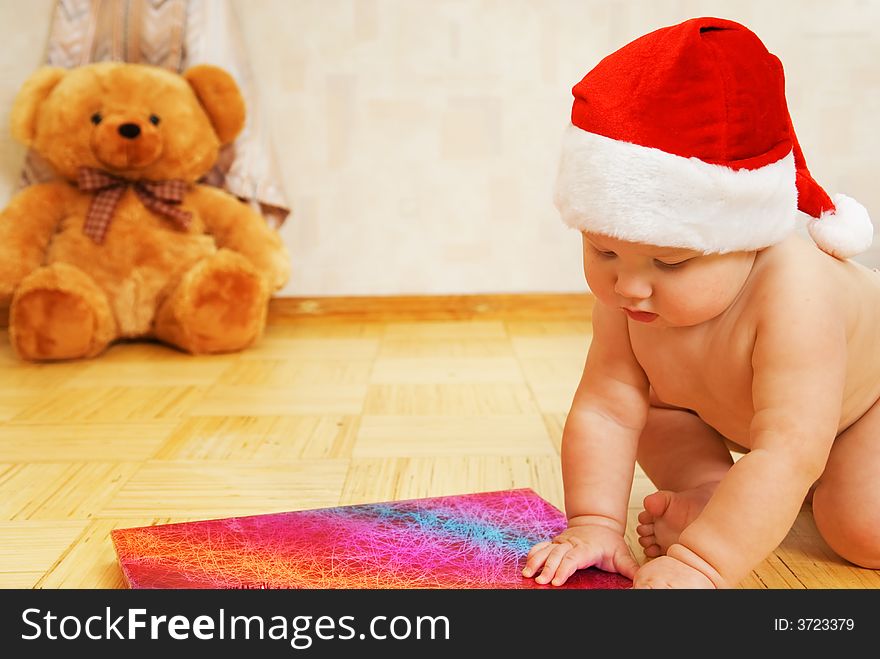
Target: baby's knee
[850,527]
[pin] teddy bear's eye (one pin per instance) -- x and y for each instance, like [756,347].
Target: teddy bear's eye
[96,118]
[154,120]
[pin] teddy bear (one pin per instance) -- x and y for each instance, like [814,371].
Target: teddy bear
[126,244]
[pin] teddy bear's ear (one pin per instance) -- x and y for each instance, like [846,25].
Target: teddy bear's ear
[34,91]
[220,98]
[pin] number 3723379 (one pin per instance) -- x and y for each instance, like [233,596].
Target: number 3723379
[813,624]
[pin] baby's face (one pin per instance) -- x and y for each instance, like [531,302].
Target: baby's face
[663,286]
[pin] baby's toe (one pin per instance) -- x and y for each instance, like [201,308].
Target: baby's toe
[657,503]
[653,551]
[647,540]
[645,517]
[645,529]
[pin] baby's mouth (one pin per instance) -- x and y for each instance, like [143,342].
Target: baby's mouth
[641,316]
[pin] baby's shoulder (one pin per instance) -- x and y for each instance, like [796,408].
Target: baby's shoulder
[795,279]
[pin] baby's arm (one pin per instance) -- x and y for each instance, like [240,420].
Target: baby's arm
[799,369]
[599,445]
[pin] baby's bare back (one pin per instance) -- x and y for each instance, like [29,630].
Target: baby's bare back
[708,368]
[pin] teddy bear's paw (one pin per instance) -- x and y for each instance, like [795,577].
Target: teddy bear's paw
[228,312]
[219,307]
[49,325]
[58,312]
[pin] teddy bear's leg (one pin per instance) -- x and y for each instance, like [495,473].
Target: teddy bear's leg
[59,312]
[219,305]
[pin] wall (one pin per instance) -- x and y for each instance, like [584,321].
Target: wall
[419,138]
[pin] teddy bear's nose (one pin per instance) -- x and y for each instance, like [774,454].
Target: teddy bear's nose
[129,131]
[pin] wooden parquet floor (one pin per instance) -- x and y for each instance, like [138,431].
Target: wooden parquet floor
[344,401]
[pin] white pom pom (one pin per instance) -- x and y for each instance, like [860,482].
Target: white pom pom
[845,232]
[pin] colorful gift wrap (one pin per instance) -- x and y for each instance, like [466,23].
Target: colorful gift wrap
[463,541]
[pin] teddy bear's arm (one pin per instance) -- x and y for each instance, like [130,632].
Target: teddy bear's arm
[234,225]
[27,225]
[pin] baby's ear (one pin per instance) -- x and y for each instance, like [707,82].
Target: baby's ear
[23,117]
[220,98]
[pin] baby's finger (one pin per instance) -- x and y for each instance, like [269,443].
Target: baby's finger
[536,558]
[552,562]
[576,558]
[536,548]
[625,563]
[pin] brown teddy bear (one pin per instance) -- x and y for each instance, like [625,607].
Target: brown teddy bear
[126,244]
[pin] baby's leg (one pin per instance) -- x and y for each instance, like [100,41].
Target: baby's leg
[846,502]
[685,459]
[678,451]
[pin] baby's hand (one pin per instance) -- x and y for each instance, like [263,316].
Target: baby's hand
[576,548]
[668,572]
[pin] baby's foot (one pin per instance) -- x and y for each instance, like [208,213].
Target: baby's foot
[666,515]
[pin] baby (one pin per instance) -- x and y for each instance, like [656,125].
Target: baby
[713,322]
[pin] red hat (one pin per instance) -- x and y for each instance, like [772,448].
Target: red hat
[682,138]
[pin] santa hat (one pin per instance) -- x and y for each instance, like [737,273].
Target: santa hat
[682,138]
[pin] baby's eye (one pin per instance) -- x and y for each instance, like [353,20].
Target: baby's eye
[606,254]
[670,266]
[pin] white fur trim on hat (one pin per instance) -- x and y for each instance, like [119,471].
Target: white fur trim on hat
[844,232]
[641,194]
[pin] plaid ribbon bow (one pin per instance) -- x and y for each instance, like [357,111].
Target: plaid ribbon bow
[160,196]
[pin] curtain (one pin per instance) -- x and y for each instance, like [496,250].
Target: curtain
[174,34]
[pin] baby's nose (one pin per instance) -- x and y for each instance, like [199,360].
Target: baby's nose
[633,287]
